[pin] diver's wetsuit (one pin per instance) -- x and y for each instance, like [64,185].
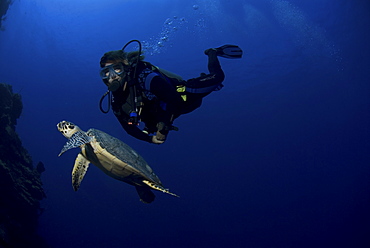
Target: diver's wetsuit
[197,88]
[162,103]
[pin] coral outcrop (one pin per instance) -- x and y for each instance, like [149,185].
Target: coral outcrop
[20,182]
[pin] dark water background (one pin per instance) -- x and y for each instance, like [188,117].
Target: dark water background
[278,158]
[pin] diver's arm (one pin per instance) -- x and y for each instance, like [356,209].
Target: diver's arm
[167,94]
[134,131]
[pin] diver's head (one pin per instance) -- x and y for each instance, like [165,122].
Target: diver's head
[112,75]
[115,65]
[113,69]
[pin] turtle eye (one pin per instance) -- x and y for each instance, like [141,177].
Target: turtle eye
[71,126]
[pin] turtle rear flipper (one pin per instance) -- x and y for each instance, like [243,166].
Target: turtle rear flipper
[145,194]
[158,187]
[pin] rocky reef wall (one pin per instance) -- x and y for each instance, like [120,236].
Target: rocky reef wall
[20,182]
[4,6]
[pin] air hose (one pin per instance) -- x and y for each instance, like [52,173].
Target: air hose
[109,102]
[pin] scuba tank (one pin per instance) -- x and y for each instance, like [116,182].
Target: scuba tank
[169,74]
[175,79]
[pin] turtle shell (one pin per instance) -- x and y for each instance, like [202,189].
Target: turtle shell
[118,160]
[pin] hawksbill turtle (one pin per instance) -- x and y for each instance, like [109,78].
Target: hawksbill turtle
[113,157]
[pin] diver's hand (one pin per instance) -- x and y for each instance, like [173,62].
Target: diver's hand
[159,138]
[156,141]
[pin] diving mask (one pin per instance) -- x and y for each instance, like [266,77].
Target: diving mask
[111,70]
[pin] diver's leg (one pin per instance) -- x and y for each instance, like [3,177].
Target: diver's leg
[214,66]
[207,83]
[198,88]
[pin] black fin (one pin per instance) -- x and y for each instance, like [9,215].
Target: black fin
[145,194]
[229,51]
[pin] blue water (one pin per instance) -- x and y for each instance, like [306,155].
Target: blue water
[278,158]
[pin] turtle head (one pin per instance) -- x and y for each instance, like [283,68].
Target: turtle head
[67,128]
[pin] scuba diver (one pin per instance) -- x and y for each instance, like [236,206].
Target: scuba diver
[144,92]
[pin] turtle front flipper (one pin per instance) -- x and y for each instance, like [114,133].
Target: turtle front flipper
[145,194]
[77,139]
[79,170]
